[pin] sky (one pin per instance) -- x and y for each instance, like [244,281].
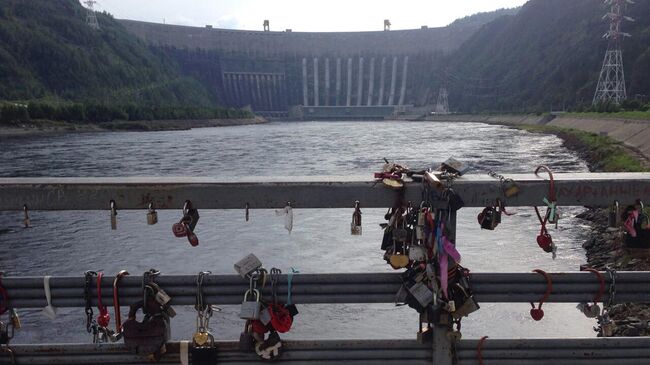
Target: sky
[302,15]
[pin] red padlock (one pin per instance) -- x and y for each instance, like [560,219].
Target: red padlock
[258,327]
[179,229]
[192,238]
[281,319]
[103,318]
[545,241]
[538,313]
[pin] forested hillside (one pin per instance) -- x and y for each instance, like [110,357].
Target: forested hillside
[48,52]
[546,56]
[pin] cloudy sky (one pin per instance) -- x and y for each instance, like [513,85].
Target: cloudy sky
[302,15]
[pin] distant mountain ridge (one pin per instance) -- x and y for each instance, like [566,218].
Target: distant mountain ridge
[48,52]
[548,55]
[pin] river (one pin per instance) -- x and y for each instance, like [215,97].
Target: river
[68,243]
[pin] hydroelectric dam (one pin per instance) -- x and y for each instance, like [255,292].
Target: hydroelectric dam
[316,75]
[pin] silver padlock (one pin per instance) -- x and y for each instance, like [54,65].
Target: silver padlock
[152,215]
[589,310]
[251,309]
[417,253]
[247,265]
[421,293]
[265,316]
[454,166]
[162,297]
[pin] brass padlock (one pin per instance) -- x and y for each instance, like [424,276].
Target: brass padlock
[510,188]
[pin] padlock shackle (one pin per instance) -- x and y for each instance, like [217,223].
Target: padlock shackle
[116,300]
[549,287]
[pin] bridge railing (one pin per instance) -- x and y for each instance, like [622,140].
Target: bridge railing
[319,192]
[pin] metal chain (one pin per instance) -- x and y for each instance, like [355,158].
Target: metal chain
[89,275]
[275,278]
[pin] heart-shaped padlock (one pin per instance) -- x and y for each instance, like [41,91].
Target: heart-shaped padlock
[179,230]
[200,338]
[545,241]
[103,319]
[399,261]
[537,314]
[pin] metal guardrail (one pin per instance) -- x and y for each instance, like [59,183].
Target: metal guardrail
[585,189]
[625,351]
[574,287]
[330,192]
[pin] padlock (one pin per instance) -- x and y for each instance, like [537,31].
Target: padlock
[147,337]
[425,335]
[270,348]
[265,316]
[450,306]
[113,215]
[355,226]
[432,178]
[454,166]
[545,241]
[246,339]
[202,337]
[193,239]
[469,306]
[192,218]
[417,253]
[510,188]
[161,296]
[250,309]
[400,296]
[606,326]
[421,293]
[152,215]
[15,319]
[400,234]
[454,336]
[293,310]
[179,229]
[488,218]
[204,355]
[454,200]
[247,265]
[589,310]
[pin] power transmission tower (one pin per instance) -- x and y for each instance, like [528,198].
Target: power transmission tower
[442,106]
[91,17]
[611,84]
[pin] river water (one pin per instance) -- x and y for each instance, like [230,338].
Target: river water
[69,243]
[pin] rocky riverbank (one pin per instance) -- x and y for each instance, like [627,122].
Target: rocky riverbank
[604,250]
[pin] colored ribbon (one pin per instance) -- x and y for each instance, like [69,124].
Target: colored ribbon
[448,250]
[289,280]
[552,209]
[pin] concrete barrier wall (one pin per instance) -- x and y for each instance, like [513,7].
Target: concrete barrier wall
[632,133]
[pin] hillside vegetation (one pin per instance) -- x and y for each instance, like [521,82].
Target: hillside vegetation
[48,53]
[547,56]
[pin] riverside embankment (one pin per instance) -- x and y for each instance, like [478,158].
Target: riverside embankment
[43,127]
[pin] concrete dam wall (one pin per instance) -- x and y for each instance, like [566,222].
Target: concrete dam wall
[272,71]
